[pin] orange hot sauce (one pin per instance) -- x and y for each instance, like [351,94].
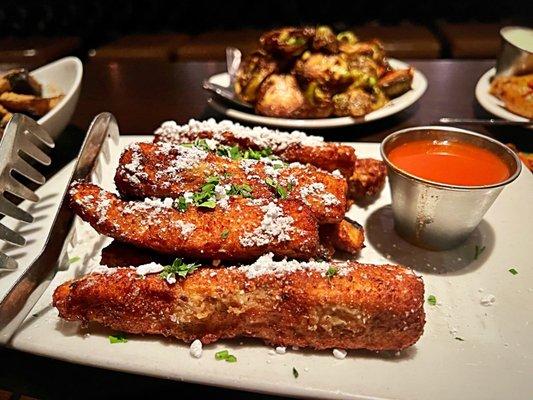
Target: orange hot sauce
[453,163]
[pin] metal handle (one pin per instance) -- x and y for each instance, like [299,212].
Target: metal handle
[30,286]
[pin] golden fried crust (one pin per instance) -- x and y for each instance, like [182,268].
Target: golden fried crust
[155,175]
[368,178]
[346,236]
[329,156]
[371,307]
[284,227]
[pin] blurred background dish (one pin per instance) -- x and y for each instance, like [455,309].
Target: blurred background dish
[394,106]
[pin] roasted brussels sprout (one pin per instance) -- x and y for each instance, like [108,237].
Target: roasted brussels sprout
[280,96]
[252,72]
[325,40]
[313,73]
[287,42]
[354,102]
[396,83]
[330,71]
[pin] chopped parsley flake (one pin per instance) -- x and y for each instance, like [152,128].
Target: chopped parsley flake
[225,355]
[243,190]
[179,268]
[459,338]
[117,338]
[72,260]
[235,152]
[295,373]
[332,271]
[513,271]
[280,190]
[479,250]
[432,300]
[181,204]
[224,234]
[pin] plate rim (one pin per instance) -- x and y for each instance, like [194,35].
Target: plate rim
[320,123]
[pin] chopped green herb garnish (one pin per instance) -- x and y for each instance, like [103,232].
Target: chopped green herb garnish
[117,338]
[231,358]
[331,272]
[221,355]
[179,268]
[181,204]
[208,204]
[479,250]
[206,196]
[432,300]
[233,152]
[280,190]
[295,372]
[224,234]
[513,271]
[459,338]
[243,190]
[225,355]
[212,180]
[72,260]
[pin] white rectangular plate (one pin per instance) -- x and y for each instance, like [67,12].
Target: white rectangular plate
[493,361]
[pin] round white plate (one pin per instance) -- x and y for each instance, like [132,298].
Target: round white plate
[491,103]
[396,105]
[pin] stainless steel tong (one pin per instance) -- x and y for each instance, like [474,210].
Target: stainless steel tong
[19,139]
[30,286]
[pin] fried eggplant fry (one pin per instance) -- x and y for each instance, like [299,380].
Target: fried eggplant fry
[283,227]
[368,178]
[291,147]
[347,236]
[170,170]
[28,103]
[359,307]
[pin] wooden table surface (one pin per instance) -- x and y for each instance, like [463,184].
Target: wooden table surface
[142,95]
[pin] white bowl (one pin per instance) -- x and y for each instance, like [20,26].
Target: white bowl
[60,77]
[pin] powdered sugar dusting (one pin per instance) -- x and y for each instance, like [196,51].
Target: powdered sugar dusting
[265,265]
[318,189]
[260,136]
[275,225]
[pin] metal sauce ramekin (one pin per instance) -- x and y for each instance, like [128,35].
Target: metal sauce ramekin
[513,60]
[434,215]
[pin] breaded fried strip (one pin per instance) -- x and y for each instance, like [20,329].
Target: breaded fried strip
[368,178]
[347,235]
[362,307]
[242,231]
[169,170]
[291,147]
